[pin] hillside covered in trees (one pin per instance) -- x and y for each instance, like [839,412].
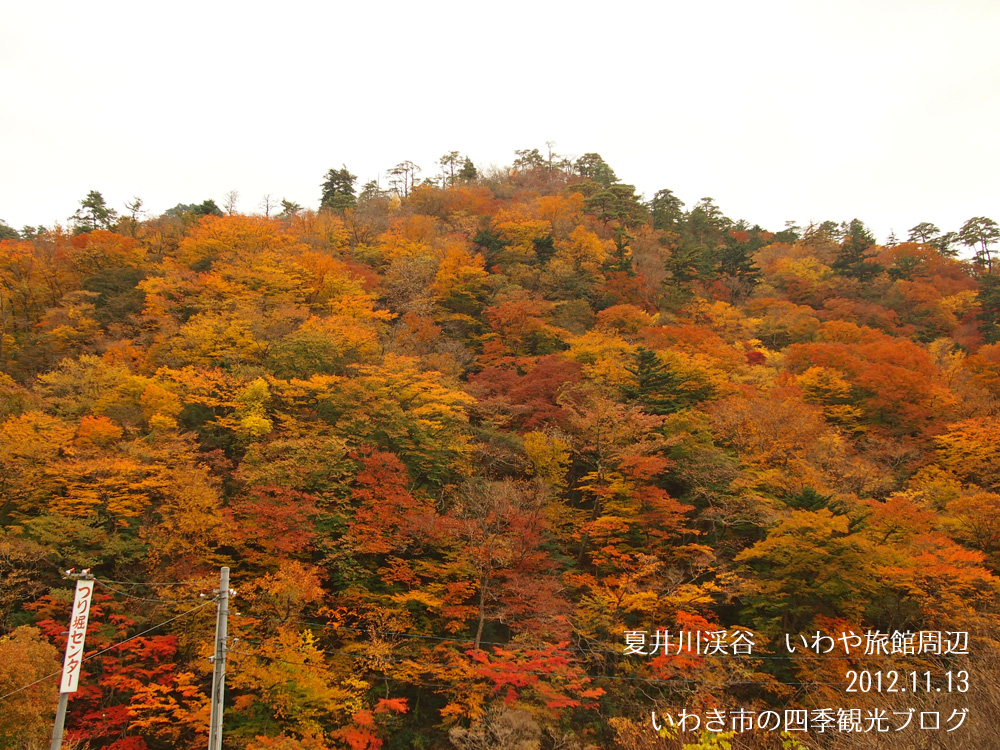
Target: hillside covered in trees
[457,438]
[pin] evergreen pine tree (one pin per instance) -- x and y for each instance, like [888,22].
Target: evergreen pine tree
[338,190]
[659,390]
[851,259]
[989,307]
[93,214]
[468,170]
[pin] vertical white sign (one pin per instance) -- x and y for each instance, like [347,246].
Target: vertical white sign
[77,634]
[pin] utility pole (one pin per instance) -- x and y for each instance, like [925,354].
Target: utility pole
[57,730]
[219,662]
[74,648]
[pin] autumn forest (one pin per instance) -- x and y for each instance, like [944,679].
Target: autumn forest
[457,437]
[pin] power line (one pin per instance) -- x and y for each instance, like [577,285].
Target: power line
[62,572]
[154,583]
[150,630]
[145,599]
[109,648]
[36,682]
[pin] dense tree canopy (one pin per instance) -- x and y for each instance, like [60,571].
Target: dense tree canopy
[456,439]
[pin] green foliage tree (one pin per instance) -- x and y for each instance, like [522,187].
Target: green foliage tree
[790,233]
[852,259]
[687,264]
[980,233]
[338,190]
[657,389]
[924,232]
[7,232]
[134,210]
[449,168]
[205,208]
[593,167]
[944,244]
[736,264]
[809,564]
[705,225]
[528,159]
[289,209]
[989,307]
[370,191]
[702,234]
[666,211]
[468,170]
[93,214]
[617,207]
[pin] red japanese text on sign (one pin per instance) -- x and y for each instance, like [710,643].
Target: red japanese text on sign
[77,634]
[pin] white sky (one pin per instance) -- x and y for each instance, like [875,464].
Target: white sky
[885,111]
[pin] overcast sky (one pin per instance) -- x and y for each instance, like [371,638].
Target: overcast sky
[804,111]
